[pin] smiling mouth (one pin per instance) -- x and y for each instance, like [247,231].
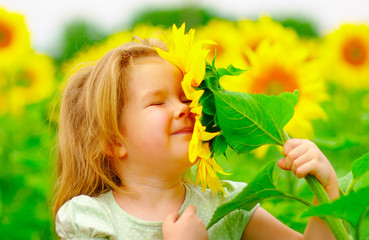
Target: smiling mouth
[187,130]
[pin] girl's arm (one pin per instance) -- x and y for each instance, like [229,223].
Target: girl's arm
[302,158]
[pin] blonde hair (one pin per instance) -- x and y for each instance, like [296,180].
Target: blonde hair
[90,113]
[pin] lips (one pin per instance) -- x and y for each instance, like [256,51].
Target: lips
[185,130]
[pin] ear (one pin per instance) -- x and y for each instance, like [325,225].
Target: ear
[118,149]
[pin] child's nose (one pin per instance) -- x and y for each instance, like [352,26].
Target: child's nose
[182,110]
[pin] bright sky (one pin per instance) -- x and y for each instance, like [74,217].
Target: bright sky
[45,18]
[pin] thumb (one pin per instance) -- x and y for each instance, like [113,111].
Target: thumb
[171,218]
[281,163]
[190,209]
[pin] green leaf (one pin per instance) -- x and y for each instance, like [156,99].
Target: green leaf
[212,83]
[339,143]
[344,182]
[207,102]
[219,145]
[360,166]
[249,121]
[350,207]
[230,70]
[208,121]
[261,188]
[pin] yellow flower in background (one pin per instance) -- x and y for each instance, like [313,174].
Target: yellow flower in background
[226,34]
[32,81]
[25,77]
[346,56]
[276,69]
[14,38]
[252,33]
[39,76]
[90,55]
[190,58]
[149,31]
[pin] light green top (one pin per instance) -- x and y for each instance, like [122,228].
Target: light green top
[85,217]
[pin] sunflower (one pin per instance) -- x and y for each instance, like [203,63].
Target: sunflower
[276,69]
[345,52]
[189,57]
[39,74]
[14,37]
[226,34]
[32,81]
[252,33]
[207,170]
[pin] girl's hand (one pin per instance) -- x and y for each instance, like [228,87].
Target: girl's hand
[188,226]
[303,157]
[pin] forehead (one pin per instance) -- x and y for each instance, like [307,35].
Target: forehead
[151,69]
[152,73]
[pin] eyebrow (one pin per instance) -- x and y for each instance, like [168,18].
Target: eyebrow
[153,93]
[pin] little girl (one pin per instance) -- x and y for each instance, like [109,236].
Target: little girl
[125,128]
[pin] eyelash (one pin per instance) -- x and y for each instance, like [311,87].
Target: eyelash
[188,102]
[157,104]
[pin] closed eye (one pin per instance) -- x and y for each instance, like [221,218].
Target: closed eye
[156,103]
[188,102]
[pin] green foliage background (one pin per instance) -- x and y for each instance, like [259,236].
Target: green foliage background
[27,141]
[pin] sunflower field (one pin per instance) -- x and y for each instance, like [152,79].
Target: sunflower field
[330,70]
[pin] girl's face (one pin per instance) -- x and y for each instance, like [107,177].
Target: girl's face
[157,123]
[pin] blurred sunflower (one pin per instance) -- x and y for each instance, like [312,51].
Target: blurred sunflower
[228,39]
[346,56]
[252,33]
[90,55]
[149,31]
[32,81]
[14,37]
[97,51]
[276,69]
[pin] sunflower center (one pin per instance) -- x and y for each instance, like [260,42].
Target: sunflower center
[275,81]
[354,52]
[5,35]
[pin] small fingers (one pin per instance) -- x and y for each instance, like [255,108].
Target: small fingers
[294,149]
[304,158]
[294,143]
[309,167]
[291,144]
[288,162]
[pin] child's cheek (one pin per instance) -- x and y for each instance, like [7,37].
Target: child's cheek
[159,125]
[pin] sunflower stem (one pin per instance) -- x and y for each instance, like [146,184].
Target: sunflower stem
[334,224]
